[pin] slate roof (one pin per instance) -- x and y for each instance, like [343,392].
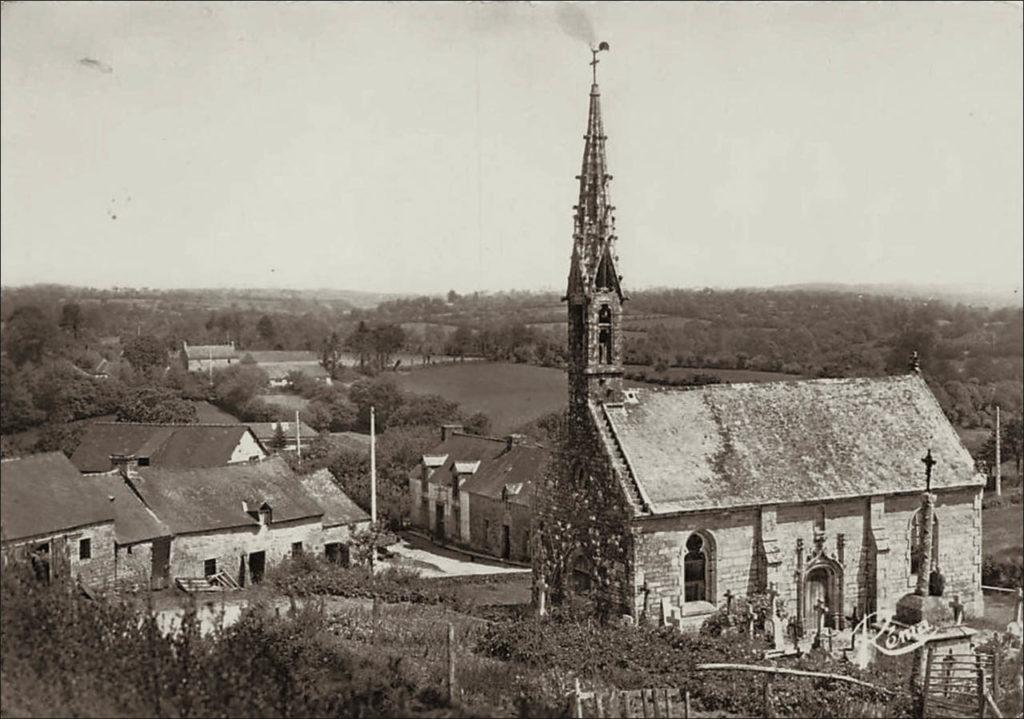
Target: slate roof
[271,356]
[353,441]
[780,442]
[264,431]
[43,494]
[210,499]
[171,445]
[515,468]
[498,465]
[338,507]
[133,521]
[280,370]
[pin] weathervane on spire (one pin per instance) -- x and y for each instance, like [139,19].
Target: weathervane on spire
[593,63]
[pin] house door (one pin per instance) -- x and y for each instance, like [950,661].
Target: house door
[506,541]
[439,521]
[41,561]
[257,566]
[817,592]
[160,568]
[60,561]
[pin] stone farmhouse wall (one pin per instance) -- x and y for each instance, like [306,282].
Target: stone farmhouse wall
[488,517]
[426,496]
[98,571]
[134,564]
[190,551]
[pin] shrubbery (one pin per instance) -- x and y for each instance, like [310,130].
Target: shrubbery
[1002,573]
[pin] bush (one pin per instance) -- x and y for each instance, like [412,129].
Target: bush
[1002,573]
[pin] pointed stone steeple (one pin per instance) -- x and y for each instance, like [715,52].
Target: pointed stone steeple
[594,292]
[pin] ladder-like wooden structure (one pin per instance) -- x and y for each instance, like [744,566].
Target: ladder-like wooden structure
[959,685]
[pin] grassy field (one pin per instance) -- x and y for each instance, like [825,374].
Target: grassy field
[290,402]
[1002,533]
[726,375]
[510,394]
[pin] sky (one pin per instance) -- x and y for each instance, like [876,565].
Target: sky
[416,148]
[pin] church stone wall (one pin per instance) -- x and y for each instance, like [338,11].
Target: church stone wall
[871,580]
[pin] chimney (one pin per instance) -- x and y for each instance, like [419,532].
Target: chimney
[447,430]
[512,440]
[123,463]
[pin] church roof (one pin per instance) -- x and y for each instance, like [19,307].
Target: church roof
[781,442]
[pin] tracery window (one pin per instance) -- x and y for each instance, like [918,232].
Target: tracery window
[697,569]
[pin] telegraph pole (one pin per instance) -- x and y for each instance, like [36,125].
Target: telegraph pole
[373,470]
[999,456]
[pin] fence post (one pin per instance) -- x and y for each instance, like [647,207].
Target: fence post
[686,705]
[995,674]
[767,709]
[981,692]
[451,663]
[577,700]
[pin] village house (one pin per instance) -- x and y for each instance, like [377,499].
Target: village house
[342,517]
[166,445]
[295,434]
[239,520]
[48,517]
[279,364]
[142,543]
[664,504]
[204,358]
[477,491]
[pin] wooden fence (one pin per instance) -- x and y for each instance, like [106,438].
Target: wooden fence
[631,704]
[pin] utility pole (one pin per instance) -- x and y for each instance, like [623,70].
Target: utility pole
[999,456]
[373,470]
[298,436]
[209,354]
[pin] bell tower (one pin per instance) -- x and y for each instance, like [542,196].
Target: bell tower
[594,293]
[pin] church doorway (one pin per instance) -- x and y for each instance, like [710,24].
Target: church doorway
[821,592]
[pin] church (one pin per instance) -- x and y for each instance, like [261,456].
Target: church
[664,504]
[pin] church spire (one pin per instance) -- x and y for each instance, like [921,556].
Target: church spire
[594,227]
[595,348]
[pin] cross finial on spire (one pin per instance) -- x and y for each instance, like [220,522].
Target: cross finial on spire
[593,63]
[929,462]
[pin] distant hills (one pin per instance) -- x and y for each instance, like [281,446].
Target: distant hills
[973,295]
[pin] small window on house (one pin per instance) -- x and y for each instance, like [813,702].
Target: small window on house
[85,549]
[695,570]
[143,461]
[209,567]
[129,549]
[296,549]
[819,520]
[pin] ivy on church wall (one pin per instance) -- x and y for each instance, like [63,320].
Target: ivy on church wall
[580,523]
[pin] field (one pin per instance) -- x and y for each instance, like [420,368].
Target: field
[1002,532]
[726,375]
[510,394]
[289,402]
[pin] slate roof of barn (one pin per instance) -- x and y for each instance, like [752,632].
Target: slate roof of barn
[338,507]
[43,494]
[272,356]
[133,521]
[216,498]
[781,442]
[265,431]
[170,445]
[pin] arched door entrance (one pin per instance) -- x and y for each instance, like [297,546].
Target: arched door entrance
[822,588]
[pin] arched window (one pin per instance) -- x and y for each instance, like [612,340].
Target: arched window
[604,335]
[697,566]
[581,576]
[916,545]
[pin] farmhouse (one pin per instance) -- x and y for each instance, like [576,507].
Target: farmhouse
[279,364]
[342,517]
[142,543]
[167,445]
[48,517]
[239,520]
[477,491]
[663,504]
[203,358]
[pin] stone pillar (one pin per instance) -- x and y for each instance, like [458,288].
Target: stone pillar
[927,519]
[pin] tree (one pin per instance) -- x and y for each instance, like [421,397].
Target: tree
[71,318]
[330,354]
[30,335]
[1013,441]
[387,340]
[429,410]
[383,395]
[478,423]
[145,353]
[279,441]
[156,404]
[360,343]
[266,329]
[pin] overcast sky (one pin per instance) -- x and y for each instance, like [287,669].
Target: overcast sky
[417,148]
